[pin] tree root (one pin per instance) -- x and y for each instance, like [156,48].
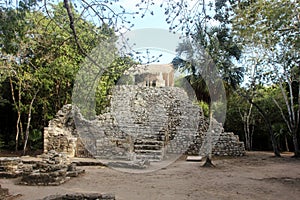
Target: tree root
[208,163]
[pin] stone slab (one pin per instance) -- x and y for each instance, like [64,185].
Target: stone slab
[194,158]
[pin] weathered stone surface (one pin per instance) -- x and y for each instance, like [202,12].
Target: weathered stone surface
[61,135]
[143,123]
[10,167]
[140,164]
[54,169]
[226,143]
[229,145]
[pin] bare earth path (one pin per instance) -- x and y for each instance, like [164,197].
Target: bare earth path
[257,175]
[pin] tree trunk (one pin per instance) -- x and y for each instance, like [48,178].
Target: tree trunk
[273,140]
[17,131]
[17,106]
[293,115]
[251,136]
[248,126]
[208,163]
[22,132]
[28,123]
[286,143]
[296,146]
[247,138]
[248,133]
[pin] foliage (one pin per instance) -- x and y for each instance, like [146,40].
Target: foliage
[40,60]
[35,140]
[264,96]
[272,27]
[218,43]
[108,79]
[205,108]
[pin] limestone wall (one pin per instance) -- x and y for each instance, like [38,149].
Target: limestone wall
[229,145]
[61,135]
[142,122]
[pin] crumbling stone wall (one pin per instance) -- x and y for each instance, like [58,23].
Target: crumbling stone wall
[61,135]
[140,124]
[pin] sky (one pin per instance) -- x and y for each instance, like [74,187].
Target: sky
[155,21]
[158,19]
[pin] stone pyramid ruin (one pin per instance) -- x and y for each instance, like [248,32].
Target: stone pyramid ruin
[142,123]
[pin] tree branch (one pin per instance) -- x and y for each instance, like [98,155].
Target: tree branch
[72,27]
[283,116]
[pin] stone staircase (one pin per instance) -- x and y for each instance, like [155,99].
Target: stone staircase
[160,120]
[151,150]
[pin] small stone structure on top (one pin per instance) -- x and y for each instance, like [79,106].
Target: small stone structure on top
[154,75]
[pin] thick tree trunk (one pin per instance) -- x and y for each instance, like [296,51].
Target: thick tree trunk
[273,140]
[247,132]
[208,163]
[296,146]
[247,138]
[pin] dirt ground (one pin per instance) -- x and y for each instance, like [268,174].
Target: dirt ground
[257,175]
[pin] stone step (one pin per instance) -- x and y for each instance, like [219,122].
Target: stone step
[151,158]
[148,152]
[147,147]
[114,157]
[158,138]
[148,142]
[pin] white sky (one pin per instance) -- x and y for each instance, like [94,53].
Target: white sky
[149,21]
[157,20]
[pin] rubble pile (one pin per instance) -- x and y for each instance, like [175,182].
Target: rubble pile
[10,167]
[54,169]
